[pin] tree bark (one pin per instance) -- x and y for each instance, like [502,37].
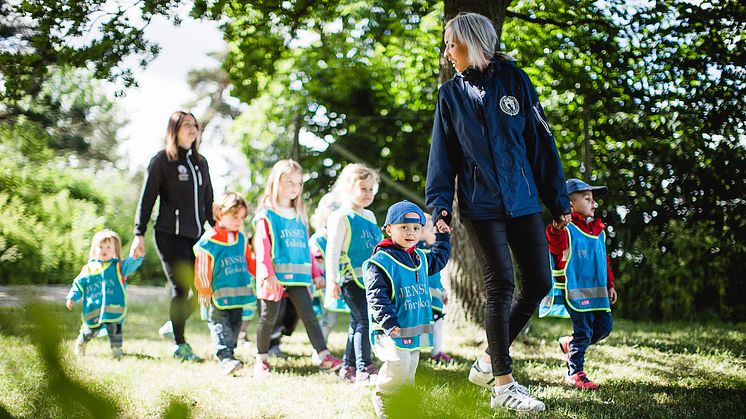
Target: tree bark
[464,276]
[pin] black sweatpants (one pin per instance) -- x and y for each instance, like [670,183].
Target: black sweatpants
[505,316]
[177,258]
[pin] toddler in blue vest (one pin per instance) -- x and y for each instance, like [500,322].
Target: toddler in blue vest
[101,287]
[582,281]
[221,275]
[438,294]
[398,295]
[353,234]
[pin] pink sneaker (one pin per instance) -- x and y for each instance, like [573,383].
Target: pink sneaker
[261,369]
[579,380]
[371,369]
[347,374]
[330,363]
[441,357]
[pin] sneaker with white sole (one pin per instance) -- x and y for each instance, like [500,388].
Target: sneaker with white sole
[483,379]
[167,330]
[80,347]
[230,365]
[515,398]
[261,369]
[364,378]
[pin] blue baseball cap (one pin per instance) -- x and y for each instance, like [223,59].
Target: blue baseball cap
[577,185]
[396,214]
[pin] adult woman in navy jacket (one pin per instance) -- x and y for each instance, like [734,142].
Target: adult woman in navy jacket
[490,133]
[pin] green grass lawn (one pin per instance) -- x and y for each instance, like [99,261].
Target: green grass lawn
[644,369]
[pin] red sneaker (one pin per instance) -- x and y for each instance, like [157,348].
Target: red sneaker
[564,343]
[579,380]
[330,363]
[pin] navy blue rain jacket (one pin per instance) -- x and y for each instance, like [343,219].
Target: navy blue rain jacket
[378,285]
[490,132]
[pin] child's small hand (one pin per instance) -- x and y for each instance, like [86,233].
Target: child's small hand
[69,304]
[204,300]
[442,227]
[612,295]
[138,252]
[395,331]
[319,282]
[336,290]
[273,285]
[444,297]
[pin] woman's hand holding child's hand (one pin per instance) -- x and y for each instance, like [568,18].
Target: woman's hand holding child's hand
[442,227]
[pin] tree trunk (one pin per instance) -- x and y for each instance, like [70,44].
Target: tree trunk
[464,276]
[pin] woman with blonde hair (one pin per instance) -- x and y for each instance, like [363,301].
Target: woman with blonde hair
[490,132]
[179,175]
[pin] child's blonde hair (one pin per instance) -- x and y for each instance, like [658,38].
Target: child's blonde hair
[104,236]
[351,174]
[229,202]
[327,204]
[272,187]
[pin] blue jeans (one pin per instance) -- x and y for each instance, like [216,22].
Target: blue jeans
[588,328]
[224,328]
[358,341]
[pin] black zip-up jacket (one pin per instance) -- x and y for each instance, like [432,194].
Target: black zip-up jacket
[186,195]
[378,285]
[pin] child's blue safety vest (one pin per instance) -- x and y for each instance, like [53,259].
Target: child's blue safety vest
[231,280]
[290,252]
[330,303]
[585,276]
[363,237]
[101,287]
[411,298]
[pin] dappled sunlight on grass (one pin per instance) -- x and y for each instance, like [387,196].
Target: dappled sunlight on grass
[645,370]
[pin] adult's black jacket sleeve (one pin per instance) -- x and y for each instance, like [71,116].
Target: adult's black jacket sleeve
[443,163]
[150,189]
[542,154]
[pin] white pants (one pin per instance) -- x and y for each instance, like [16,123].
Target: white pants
[399,366]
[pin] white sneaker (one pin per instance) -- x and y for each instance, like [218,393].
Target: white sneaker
[79,348]
[261,369]
[514,398]
[363,378]
[230,365]
[167,330]
[483,379]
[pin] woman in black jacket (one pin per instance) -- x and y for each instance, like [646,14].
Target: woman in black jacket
[491,134]
[179,175]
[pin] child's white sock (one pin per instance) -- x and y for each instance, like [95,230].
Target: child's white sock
[438,336]
[484,366]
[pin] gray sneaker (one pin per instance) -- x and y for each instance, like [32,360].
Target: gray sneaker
[230,366]
[117,351]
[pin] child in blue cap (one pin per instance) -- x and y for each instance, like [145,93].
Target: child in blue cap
[582,283]
[398,296]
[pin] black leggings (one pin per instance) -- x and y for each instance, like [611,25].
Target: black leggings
[177,258]
[300,297]
[505,316]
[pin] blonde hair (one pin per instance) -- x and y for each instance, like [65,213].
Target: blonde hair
[228,202]
[351,174]
[172,131]
[327,204]
[104,236]
[272,187]
[477,34]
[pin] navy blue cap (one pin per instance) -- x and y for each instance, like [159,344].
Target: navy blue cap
[396,212]
[577,185]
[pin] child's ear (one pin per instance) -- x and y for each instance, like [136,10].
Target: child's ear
[387,229]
